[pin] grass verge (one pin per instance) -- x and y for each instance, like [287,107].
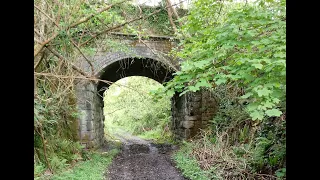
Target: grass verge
[92,169]
[188,164]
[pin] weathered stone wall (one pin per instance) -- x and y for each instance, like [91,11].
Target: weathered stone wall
[191,112]
[155,49]
[91,118]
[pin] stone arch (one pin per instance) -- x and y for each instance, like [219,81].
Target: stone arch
[115,66]
[139,60]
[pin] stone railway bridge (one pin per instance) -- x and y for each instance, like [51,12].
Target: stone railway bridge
[148,58]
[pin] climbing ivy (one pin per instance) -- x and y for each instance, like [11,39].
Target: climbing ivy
[239,44]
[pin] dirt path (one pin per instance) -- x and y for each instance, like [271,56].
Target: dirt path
[141,159]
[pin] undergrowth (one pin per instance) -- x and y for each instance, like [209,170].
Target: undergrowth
[60,30]
[56,145]
[93,168]
[188,164]
[238,50]
[235,147]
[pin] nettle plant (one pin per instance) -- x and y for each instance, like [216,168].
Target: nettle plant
[240,44]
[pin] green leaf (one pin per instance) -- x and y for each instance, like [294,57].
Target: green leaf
[258,66]
[186,66]
[268,104]
[256,115]
[170,93]
[276,100]
[193,88]
[201,64]
[263,92]
[202,83]
[281,172]
[185,76]
[252,106]
[273,112]
[280,55]
[221,81]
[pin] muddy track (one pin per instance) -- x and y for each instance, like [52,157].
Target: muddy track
[141,159]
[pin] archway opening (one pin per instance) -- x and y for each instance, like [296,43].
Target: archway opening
[130,108]
[134,109]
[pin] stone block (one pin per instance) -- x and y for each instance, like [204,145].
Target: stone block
[194,111]
[89,125]
[92,136]
[195,105]
[197,98]
[192,118]
[84,116]
[82,128]
[90,86]
[187,124]
[88,105]
[85,96]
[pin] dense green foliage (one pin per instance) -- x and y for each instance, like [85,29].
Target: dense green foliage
[238,50]
[245,47]
[235,146]
[157,24]
[55,138]
[130,106]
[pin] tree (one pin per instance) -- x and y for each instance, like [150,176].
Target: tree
[243,44]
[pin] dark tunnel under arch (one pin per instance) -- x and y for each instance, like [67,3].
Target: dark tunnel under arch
[134,66]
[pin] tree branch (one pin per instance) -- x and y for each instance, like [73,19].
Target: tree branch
[55,23]
[36,52]
[164,59]
[38,63]
[38,34]
[121,25]
[44,147]
[175,12]
[170,17]
[88,61]
[64,61]
[92,15]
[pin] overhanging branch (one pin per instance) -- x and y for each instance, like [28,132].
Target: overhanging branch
[64,61]
[92,15]
[123,24]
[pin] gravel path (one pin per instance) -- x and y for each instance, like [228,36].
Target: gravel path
[141,159]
